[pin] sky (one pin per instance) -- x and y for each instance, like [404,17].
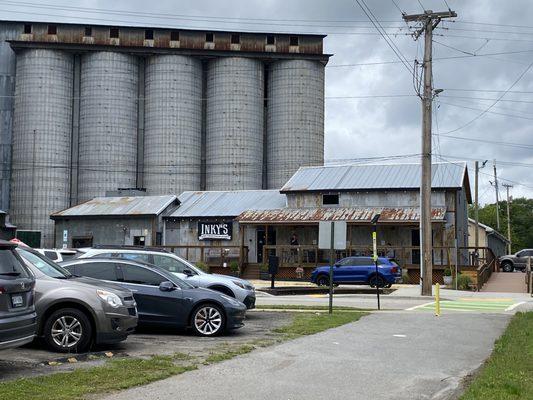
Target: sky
[483,61]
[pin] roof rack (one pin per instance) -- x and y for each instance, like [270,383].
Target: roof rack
[130,247]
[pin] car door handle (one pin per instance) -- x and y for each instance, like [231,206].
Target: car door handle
[187,298]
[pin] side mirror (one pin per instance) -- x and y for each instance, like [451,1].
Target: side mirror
[188,272]
[167,286]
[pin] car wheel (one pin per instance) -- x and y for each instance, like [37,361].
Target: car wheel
[68,331]
[322,280]
[208,320]
[507,267]
[376,280]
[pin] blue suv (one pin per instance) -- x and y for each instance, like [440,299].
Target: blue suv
[359,270]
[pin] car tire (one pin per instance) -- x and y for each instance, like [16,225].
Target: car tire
[376,280]
[507,266]
[68,330]
[322,280]
[208,320]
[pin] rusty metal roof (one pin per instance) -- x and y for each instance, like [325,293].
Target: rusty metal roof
[118,206]
[352,214]
[227,203]
[372,177]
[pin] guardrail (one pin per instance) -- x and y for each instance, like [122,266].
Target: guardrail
[483,274]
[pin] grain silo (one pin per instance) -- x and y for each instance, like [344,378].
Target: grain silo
[235,123]
[295,118]
[108,123]
[172,124]
[42,127]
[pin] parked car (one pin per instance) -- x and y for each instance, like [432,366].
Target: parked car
[163,299]
[17,310]
[74,312]
[516,261]
[240,289]
[58,255]
[359,270]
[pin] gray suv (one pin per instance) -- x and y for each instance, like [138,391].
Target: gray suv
[17,310]
[516,261]
[74,312]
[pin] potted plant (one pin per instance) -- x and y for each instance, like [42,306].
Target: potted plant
[234,267]
[263,272]
[203,266]
[448,277]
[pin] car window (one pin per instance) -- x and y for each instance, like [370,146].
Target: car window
[345,262]
[104,255]
[44,265]
[98,270]
[139,275]
[52,255]
[68,256]
[528,253]
[170,264]
[363,261]
[11,266]
[135,257]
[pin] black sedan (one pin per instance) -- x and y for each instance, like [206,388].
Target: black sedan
[163,299]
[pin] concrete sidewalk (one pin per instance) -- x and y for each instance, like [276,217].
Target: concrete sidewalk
[382,356]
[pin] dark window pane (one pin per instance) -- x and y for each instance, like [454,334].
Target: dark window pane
[209,37]
[10,266]
[113,33]
[27,28]
[271,39]
[149,34]
[133,274]
[52,255]
[175,36]
[100,270]
[330,199]
[293,40]
[235,39]
[52,29]
[88,31]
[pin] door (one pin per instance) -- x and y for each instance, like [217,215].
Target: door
[415,242]
[262,240]
[155,307]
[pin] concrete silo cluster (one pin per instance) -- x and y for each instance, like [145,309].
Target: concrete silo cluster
[83,118]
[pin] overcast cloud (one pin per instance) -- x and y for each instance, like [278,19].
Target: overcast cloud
[371,127]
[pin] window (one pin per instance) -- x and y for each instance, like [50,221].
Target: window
[142,276]
[149,34]
[114,33]
[135,257]
[88,31]
[293,41]
[209,37]
[52,29]
[330,199]
[27,28]
[170,264]
[175,36]
[139,240]
[11,266]
[271,39]
[45,266]
[235,39]
[98,270]
[52,255]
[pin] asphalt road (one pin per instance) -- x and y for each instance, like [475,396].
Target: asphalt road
[406,355]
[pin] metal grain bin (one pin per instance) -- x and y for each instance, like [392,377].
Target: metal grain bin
[173,124]
[41,139]
[295,118]
[235,121]
[108,123]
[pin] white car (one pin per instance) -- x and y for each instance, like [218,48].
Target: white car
[240,289]
[57,255]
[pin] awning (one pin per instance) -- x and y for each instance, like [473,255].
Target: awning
[349,214]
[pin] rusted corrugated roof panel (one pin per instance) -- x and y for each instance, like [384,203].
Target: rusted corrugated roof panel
[353,214]
[372,177]
[126,205]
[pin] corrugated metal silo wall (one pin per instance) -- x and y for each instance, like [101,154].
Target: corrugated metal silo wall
[41,139]
[295,118]
[7,91]
[234,124]
[108,123]
[173,124]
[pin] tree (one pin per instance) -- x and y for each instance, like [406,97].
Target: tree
[521,210]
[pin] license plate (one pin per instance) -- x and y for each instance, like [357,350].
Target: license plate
[17,301]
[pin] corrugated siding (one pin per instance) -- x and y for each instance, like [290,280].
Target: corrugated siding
[133,205]
[221,204]
[354,177]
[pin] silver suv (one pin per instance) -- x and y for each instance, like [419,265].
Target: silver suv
[516,261]
[240,289]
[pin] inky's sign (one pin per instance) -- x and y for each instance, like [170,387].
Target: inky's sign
[215,230]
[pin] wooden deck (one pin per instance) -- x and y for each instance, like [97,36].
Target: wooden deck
[506,282]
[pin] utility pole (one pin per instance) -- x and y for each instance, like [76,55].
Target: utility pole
[429,21]
[507,186]
[476,205]
[497,198]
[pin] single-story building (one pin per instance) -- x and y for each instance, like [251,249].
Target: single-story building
[122,220]
[7,230]
[488,238]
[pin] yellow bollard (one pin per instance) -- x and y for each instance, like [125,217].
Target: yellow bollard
[437,300]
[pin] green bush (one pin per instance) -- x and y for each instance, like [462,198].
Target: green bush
[234,266]
[447,272]
[463,282]
[203,266]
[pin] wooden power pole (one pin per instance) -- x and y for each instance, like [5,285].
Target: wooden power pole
[476,204]
[429,21]
[497,198]
[507,186]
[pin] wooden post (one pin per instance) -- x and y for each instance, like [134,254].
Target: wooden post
[241,250]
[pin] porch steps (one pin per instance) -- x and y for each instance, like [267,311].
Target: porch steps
[252,271]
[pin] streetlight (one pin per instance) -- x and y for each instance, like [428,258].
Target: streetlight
[374,223]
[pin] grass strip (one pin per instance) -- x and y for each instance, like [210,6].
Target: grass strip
[508,373]
[310,323]
[305,307]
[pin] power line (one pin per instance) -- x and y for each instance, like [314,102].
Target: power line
[484,112]
[517,145]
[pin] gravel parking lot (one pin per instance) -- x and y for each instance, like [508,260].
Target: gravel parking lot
[33,360]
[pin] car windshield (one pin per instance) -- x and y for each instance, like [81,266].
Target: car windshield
[44,265]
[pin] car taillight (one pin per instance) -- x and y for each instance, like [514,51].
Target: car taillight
[394,270]
[2,290]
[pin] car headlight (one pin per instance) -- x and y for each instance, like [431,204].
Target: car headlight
[230,300]
[110,298]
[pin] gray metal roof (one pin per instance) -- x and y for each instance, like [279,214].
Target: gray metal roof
[372,177]
[127,205]
[227,203]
